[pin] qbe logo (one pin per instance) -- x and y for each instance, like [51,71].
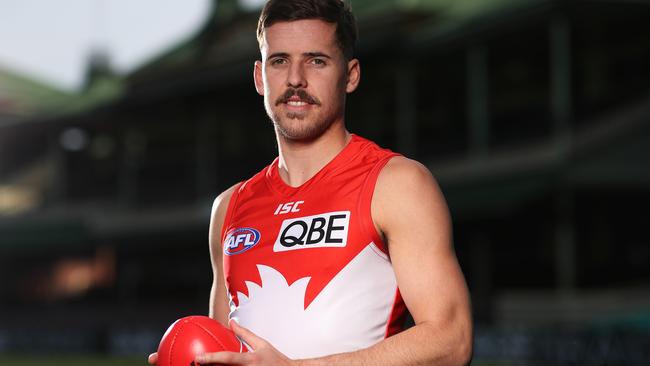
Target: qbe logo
[318,231]
[240,240]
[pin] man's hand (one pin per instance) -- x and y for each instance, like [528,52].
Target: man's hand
[153,358]
[262,354]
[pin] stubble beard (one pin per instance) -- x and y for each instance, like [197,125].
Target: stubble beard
[298,126]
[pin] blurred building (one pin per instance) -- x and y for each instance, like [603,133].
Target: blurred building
[534,115]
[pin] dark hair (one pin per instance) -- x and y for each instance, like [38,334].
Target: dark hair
[331,11]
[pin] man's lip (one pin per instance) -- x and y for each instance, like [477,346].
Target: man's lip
[297,104]
[287,101]
[296,99]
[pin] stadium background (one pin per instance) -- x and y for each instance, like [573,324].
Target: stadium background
[534,115]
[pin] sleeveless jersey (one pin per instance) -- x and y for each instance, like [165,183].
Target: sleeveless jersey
[304,267]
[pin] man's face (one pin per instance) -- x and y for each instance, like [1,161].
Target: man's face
[304,77]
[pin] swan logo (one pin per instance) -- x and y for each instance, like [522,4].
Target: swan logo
[240,240]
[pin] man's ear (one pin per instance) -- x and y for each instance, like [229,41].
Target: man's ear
[354,75]
[257,77]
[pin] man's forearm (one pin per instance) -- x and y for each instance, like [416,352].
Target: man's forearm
[422,344]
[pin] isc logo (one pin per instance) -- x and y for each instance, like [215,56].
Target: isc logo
[318,231]
[240,240]
[284,208]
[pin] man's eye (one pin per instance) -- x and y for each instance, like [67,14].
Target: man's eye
[318,61]
[278,61]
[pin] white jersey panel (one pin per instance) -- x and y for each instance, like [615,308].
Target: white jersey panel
[345,316]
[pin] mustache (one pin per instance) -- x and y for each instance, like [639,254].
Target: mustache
[301,93]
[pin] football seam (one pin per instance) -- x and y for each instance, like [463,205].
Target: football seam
[223,348]
[171,345]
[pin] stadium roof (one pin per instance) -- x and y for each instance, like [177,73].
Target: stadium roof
[22,97]
[24,100]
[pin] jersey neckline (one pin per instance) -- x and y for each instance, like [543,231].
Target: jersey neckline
[348,152]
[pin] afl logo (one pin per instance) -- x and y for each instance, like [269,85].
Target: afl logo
[240,240]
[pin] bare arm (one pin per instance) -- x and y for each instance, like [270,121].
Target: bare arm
[219,307]
[410,211]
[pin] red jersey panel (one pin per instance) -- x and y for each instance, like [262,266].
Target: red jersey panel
[304,267]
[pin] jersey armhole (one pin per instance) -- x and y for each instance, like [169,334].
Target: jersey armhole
[229,211]
[365,203]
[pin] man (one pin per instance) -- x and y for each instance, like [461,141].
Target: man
[316,257]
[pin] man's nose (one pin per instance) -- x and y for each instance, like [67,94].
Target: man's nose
[296,77]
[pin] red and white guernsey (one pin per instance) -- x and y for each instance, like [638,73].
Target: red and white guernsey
[304,267]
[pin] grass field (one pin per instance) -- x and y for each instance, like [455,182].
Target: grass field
[117,361]
[71,361]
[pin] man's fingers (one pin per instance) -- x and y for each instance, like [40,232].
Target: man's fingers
[226,358]
[246,335]
[153,358]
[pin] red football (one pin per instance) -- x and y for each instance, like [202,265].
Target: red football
[193,335]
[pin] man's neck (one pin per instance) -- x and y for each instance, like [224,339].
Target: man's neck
[299,160]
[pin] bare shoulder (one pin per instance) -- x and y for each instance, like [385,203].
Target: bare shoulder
[402,178]
[220,204]
[407,193]
[218,215]
[401,170]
